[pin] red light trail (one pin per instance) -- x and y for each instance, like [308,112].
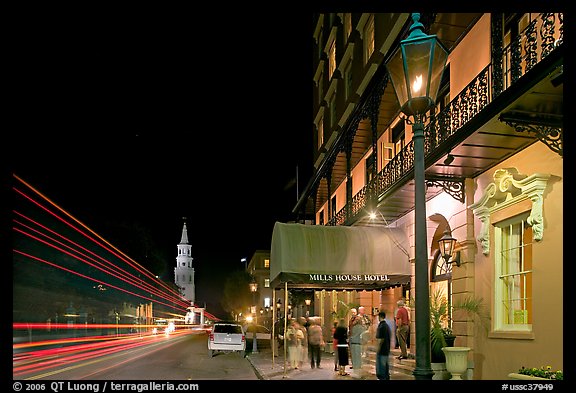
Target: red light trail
[66,279]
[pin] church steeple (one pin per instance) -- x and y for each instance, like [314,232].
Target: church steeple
[184,239]
[184,272]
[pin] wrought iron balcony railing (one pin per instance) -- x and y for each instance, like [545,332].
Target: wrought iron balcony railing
[534,43]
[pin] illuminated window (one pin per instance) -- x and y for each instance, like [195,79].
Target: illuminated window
[347,26]
[332,59]
[267,263]
[398,137]
[387,153]
[266,283]
[370,162]
[320,133]
[368,38]
[348,80]
[513,275]
[320,88]
[442,270]
[333,207]
[333,111]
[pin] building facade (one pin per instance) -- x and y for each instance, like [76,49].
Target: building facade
[263,302]
[493,170]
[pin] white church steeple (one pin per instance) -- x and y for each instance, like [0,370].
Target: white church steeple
[184,272]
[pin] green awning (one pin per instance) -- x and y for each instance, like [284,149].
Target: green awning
[338,257]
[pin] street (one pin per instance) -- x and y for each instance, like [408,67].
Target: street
[179,356]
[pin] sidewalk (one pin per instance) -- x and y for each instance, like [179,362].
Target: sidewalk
[267,369]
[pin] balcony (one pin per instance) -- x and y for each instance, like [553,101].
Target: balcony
[512,103]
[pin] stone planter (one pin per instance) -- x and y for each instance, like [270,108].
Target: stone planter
[456,360]
[440,371]
[523,376]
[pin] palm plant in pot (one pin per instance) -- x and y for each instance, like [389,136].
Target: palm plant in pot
[439,328]
[441,334]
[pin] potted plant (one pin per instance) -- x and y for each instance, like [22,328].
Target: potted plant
[449,336]
[441,334]
[439,326]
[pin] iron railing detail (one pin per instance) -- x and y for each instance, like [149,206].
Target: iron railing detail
[451,185]
[511,64]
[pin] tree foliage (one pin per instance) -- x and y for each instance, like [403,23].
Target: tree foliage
[237,296]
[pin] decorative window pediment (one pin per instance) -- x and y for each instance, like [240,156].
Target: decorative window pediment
[510,187]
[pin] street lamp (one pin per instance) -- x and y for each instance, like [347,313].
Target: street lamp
[446,245]
[416,71]
[253,289]
[307,301]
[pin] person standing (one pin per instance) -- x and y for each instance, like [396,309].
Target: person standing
[304,346]
[341,338]
[315,342]
[365,319]
[294,337]
[402,326]
[356,342]
[383,335]
[353,315]
[366,322]
[335,346]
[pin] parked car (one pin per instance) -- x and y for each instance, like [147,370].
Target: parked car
[227,337]
[262,332]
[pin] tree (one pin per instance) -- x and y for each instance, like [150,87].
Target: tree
[237,296]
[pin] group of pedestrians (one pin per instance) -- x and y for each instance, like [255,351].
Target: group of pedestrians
[350,339]
[304,339]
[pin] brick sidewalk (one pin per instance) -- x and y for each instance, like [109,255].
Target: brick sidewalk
[267,369]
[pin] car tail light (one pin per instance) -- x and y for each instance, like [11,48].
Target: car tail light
[243,338]
[211,336]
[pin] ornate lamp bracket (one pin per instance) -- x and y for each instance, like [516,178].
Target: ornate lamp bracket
[453,186]
[548,128]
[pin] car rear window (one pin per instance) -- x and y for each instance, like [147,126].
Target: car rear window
[231,329]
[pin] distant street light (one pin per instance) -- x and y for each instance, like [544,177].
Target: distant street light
[245,263]
[253,289]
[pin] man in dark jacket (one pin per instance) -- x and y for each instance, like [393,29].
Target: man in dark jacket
[383,335]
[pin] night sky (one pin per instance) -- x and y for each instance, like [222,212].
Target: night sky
[130,128]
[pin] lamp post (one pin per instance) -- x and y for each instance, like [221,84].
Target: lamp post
[278,306]
[307,301]
[253,289]
[416,71]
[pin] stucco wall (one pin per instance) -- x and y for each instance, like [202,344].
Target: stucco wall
[496,357]
[470,56]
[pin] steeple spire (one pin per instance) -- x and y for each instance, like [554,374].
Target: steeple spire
[184,239]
